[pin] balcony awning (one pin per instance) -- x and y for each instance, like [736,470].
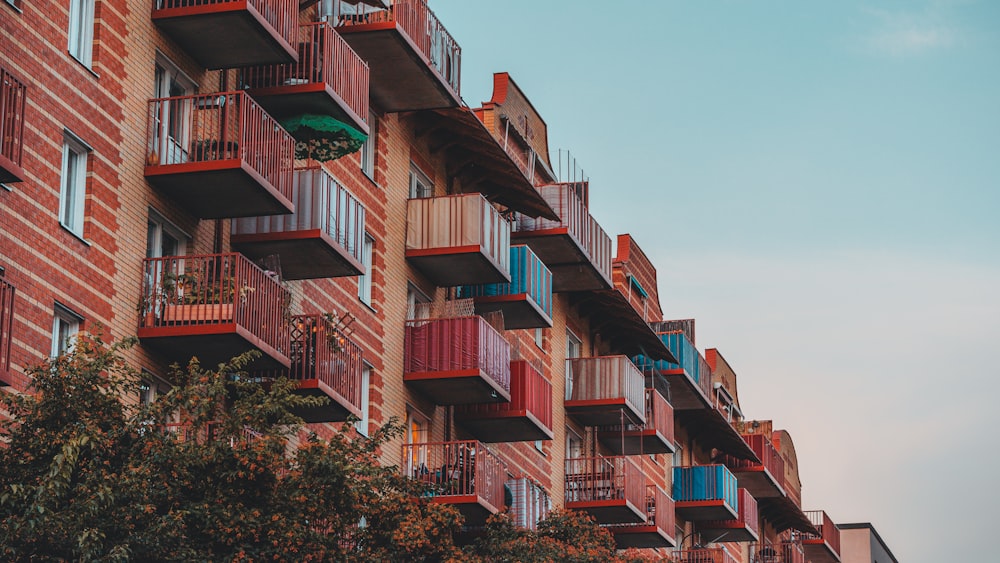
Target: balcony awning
[619,323]
[784,514]
[710,428]
[474,155]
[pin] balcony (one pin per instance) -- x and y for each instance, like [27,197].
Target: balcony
[705,492]
[6,329]
[611,489]
[745,527]
[328,79]
[783,552]
[822,547]
[457,361]
[526,302]
[219,156]
[322,239]
[463,474]
[527,417]
[690,378]
[404,44]
[762,478]
[327,364]
[230,33]
[575,248]
[13,96]
[704,555]
[531,503]
[655,436]
[458,240]
[604,391]
[213,306]
[656,531]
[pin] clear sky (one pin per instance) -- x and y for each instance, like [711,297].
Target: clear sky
[818,184]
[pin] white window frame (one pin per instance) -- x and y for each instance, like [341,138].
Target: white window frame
[574,349]
[369,149]
[366,379]
[365,279]
[171,120]
[81,31]
[420,185]
[415,297]
[73,183]
[65,327]
[157,226]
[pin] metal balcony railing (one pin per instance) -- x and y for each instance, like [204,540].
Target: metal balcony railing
[529,391]
[13,96]
[828,531]
[689,360]
[280,14]
[321,352]
[456,344]
[603,378]
[457,469]
[528,275]
[531,503]
[590,479]
[770,459]
[704,555]
[705,482]
[659,511]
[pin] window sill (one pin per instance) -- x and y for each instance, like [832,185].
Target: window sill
[75,234]
[13,7]
[89,68]
[370,179]
[367,305]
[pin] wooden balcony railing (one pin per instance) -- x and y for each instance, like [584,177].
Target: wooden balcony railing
[576,219]
[13,96]
[531,503]
[422,27]
[770,459]
[689,360]
[828,531]
[704,483]
[188,294]
[188,134]
[528,275]
[456,345]
[281,15]
[6,329]
[604,378]
[704,555]
[324,58]
[457,469]
[599,479]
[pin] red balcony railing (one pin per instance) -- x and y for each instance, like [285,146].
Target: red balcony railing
[456,346]
[325,212]
[321,353]
[659,415]
[784,552]
[704,555]
[659,513]
[214,132]
[828,531]
[187,432]
[6,329]
[460,472]
[530,397]
[607,380]
[13,96]
[770,459]
[466,227]
[604,480]
[211,294]
[422,27]
[325,59]
[531,503]
[747,520]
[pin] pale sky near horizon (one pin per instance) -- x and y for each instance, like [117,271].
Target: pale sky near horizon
[817,184]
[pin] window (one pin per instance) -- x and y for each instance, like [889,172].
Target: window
[574,445]
[73,188]
[163,238]
[370,148]
[65,326]
[414,299]
[366,379]
[81,30]
[573,349]
[416,433]
[420,184]
[150,388]
[365,280]
[171,119]
[540,338]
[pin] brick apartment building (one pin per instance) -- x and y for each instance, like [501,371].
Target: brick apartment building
[150,186]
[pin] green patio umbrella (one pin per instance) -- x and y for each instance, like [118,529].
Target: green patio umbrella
[322,138]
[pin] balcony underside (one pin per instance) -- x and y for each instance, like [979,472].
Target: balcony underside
[10,172]
[635,442]
[572,269]
[401,78]
[759,481]
[460,265]
[620,324]
[818,551]
[474,508]
[309,98]
[641,537]
[519,310]
[459,387]
[602,412]
[508,426]
[609,511]
[710,428]
[225,35]
[684,393]
[724,532]
[335,407]
[219,189]
[698,510]
[211,344]
[784,514]
[307,254]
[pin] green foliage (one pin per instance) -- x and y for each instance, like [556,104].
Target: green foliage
[567,536]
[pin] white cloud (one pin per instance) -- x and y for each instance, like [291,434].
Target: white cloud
[906,34]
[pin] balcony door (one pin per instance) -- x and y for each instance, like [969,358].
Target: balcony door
[171,119]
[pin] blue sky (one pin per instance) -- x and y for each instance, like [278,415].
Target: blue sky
[817,184]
